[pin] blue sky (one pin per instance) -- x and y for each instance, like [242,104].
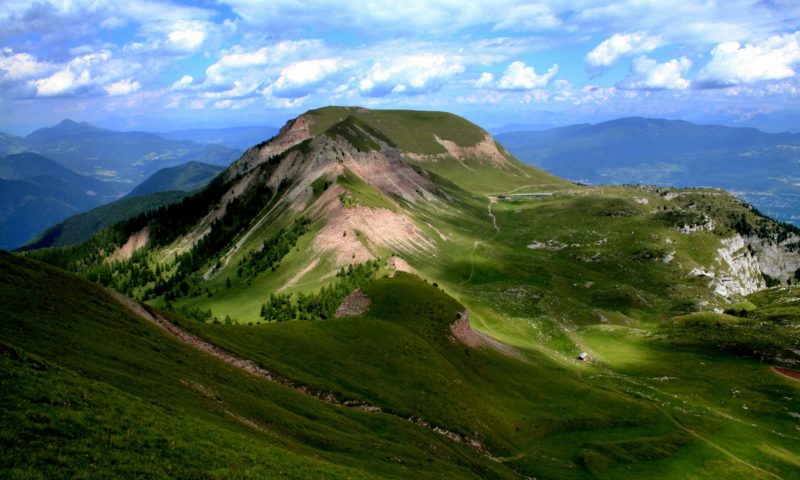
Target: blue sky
[159,65]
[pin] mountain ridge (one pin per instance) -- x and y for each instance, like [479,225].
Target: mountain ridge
[512,315]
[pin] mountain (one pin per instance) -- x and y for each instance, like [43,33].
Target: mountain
[164,187]
[127,157]
[759,167]
[787,120]
[80,227]
[10,144]
[240,138]
[391,294]
[185,178]
[520,127]
[38,192]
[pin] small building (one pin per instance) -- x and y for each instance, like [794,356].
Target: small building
[582,356]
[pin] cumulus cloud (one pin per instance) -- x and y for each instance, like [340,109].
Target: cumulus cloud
[733,64]
[122,87]
[486,80]
[302,78]
[520,77]
[21,66]
[187,36]
[413,74]
[647,74]
[609,51]
[72,77]
[183,83]
[231,63]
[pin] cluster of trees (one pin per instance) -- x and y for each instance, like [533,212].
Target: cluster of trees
[322,305]
[273,250]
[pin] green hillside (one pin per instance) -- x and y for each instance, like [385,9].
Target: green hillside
[187,177]
[479,286]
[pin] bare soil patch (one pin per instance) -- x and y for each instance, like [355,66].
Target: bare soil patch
[353,305]
[350,231]
[462,332]
[793,374]
[134,243]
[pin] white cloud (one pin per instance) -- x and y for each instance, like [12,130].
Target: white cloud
[533,17]
[231,63]
[413,74]
[609,51]
[75,75]
[62,82]
[187,36]
[647,74]
[122,87]
[21,66]
[733,64]
[486,80]
[302,78]
[239,89]
[183,83]
[518,76]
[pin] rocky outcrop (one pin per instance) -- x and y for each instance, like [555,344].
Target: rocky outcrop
[353,305]
[776,259]
[744,275]
[743,262]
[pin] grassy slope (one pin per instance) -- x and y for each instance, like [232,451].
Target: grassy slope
[186,178]
[646,408]
[413,132]
[82,376]
[554,302]
[410,130]
[400,357]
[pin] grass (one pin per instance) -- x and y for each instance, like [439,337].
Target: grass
[113,375]
[410,130]
[668,391]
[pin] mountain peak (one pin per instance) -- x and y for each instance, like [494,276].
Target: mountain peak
[66,127]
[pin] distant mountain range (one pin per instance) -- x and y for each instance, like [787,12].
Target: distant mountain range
[127,157]
[760,167]
[164,187]
[240,138]
[36,192]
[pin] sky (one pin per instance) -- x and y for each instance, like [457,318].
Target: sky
[161,65]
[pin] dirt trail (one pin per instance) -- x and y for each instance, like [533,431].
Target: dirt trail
[714,445]
[494,219]
[252,368]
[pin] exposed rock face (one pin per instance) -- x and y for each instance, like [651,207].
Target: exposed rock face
[294,132]
[743,275]
[777,260]
[742,263]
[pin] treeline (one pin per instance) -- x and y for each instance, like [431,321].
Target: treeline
[319,306]
[165,223]
[239,213]
[272,250]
